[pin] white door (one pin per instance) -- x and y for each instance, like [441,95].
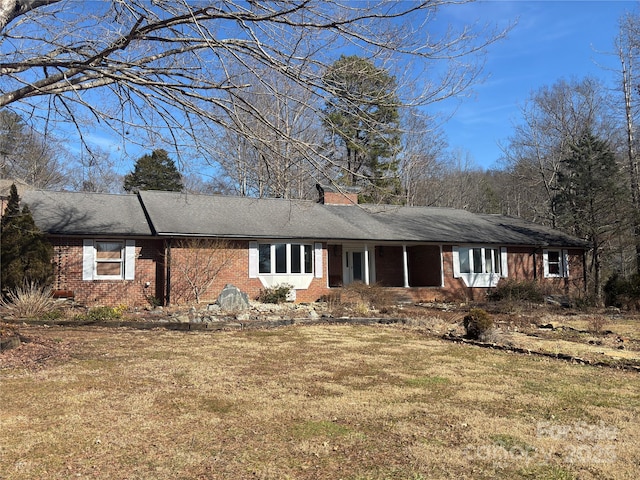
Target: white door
[354,266]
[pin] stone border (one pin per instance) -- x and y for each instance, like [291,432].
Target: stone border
[527,351]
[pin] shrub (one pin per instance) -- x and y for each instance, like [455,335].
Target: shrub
[596,323]
[364,297]
[30,301]
[518,291]
[275,294]
[622,292]
[26,255]
[101,314]
[477,324]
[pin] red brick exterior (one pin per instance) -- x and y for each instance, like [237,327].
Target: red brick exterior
[68,275]
[236,272]
[425,274]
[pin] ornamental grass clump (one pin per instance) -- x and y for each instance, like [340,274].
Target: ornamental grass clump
[478,324]
[29,301]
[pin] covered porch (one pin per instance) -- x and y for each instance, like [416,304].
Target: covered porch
[387,265]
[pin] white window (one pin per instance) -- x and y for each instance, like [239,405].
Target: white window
[285,258]
[280,262]
[479,266]
[479,260]
[556,263]
[108,259]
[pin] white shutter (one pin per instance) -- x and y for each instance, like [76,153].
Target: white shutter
[130,260]
[88,259]
[504,263]
[545,262]
[456,262]
[318,260]
[253,260]
[565,263]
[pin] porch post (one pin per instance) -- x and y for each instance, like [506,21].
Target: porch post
[405,266]
[366,264]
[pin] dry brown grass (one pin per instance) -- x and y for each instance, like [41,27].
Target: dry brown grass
[310,402]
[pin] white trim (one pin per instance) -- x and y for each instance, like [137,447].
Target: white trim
[318,260]
[88,259]
[456,262]
[504,262]
[565,263]
[405,266]
[367,280]
[253,260]
[562,260]
[130,260]
[487,277]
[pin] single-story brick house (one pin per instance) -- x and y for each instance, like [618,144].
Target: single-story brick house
[165,246]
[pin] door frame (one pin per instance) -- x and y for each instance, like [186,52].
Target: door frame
[347,263]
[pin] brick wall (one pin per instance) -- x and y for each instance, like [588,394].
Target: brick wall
[68,275]
[232,258]
[230,263]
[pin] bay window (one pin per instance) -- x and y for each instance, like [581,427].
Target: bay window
[285,258]
[479,266]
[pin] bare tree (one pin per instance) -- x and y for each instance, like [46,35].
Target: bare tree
[27,155]
[257,160]
[195,265]
[628,49]
[554,119]
[422,156]
[94,171]
[153,71]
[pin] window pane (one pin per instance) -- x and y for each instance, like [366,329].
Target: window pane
[308,259]
[108,250]
[553,260]
[477,260]
[281,258]
[488,261]
[264,258]
[497,265]
[296,263]
[463,255]
[108,268]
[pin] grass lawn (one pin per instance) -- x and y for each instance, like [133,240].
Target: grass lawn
[309,402]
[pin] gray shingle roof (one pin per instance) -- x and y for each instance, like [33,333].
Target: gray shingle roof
[179,214]
[77,213]
[188,214]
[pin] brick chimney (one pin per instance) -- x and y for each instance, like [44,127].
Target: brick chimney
[330,195]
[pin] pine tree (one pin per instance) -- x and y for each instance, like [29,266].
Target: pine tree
[363,113]
[589,200]
[25,254]
[154,172]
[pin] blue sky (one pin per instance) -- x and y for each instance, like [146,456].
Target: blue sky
[551,40]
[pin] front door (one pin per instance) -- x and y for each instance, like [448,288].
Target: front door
[354,266]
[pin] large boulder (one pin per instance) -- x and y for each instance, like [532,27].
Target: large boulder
[232,299]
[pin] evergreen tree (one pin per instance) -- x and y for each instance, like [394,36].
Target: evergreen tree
[589,200]
[154,172]
[25,254]
[363,113]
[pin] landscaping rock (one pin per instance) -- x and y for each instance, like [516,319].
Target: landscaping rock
[232,299]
